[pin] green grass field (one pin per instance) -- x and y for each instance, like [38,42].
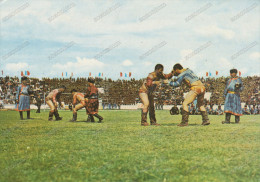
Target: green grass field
[121,150]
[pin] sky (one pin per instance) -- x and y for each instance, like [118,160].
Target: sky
[49,37]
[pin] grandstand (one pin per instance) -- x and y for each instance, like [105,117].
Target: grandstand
[125,92]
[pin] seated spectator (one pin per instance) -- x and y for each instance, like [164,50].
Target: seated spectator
[246,110]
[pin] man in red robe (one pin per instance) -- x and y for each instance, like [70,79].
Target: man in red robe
[92,100]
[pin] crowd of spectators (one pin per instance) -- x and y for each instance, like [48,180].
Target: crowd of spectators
[114,93]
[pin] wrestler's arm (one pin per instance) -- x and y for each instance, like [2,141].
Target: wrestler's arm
[178,82]
[168,76]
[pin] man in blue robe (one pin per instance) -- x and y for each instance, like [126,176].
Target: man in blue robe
[23,98]
[232,97]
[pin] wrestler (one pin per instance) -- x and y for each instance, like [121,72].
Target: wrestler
[146,93]
[80,98]
[52,101]
[197,90]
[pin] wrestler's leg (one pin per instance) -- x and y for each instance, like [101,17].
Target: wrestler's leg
[75,109]
[200,105]
[56,114]
[52,108]
[152,111]
[190,97]
[145,101]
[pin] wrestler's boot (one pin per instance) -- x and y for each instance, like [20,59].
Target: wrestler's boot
[21,115]
[237,119]
[227,120]
[205,118]
[57,116]
[99,117]
[74,119]
[50,116]
[185,119]
[144,119]
[152,117]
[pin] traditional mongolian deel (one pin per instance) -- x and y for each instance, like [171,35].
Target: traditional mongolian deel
[22,95]
[232,96]
[92,96]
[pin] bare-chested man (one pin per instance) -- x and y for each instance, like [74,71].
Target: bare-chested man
[52,100]
[146,93]
[80,98]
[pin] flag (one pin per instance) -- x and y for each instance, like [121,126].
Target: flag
[130,74]
[62,74]
[216,72]
[71,74]
[25,73]
[28,73]
[66,74]
[239,73]
[125,75]
[207,74]
[21,73]
[102,74]
[99,74]
[2,72]
[121,74]
[89,73]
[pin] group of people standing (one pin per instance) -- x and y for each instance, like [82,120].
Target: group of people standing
[89,100]
[197,91]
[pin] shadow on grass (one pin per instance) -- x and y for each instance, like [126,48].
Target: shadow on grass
[175,124]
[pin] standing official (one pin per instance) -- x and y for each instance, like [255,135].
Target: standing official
[232,97]
[92,101]
[23,98]
[38,103]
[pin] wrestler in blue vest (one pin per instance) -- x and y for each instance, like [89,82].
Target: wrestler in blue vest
[232,97]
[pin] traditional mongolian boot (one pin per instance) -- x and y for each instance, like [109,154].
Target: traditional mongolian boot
[144,119]
[99,117]
[74,119]
[205,118]
[237,119]
[21,115]
[153,119]
[227,120]
[88,119]
[57,116]
[29,115]
[50,116]
[185,119]
[92,118]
